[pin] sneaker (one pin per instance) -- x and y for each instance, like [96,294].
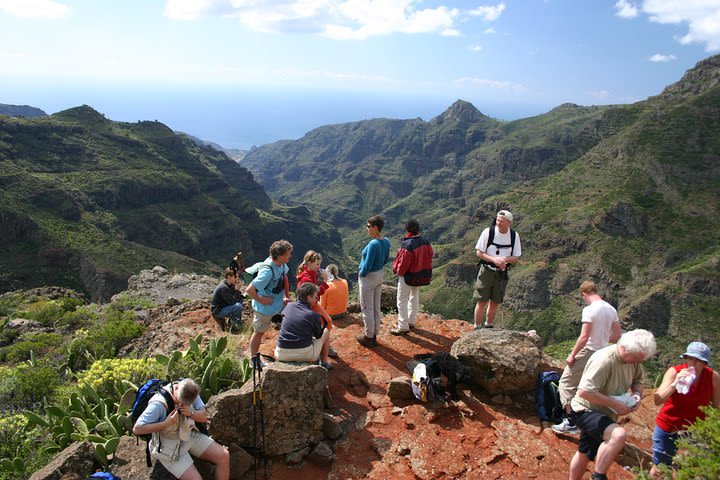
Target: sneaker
[365,341]
[412,325]
[332,353]
[487,325]
[325,365]
[566,427]
[397,331]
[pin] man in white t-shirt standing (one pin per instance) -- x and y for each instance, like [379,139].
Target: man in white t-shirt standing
[600,326]
[498,248]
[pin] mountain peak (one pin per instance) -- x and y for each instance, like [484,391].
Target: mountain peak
[83,113]
[461,111]
[696,81]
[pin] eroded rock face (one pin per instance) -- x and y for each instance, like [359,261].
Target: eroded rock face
[461,275]
[621,220]
[78,458]
[529,290]
[503,361]
[651,312]
[292,399]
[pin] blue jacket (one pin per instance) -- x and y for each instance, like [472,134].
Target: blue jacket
[374,256]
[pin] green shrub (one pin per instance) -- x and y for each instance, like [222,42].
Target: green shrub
[20,448]
[50,312]
[124,301]
[34,383]
[41,344]
[83,316]
[699,456]
[103,341]
[105,376]
[9,303]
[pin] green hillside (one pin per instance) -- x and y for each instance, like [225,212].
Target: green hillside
[86,202]
[626,195]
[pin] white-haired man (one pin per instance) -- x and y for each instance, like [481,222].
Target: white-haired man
[174,436]
[603,395]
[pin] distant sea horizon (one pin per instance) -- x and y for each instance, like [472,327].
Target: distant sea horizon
[243,118]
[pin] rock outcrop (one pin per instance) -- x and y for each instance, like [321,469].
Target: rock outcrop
[78,458]
[503,361]
[292,402]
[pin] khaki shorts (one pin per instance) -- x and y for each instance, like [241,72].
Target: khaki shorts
[308,354]
[490,285]
[196,446]
[261,322]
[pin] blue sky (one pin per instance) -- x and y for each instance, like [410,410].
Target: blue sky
[243,72]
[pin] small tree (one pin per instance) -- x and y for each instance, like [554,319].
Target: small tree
[700,449]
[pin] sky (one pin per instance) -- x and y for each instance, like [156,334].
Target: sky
[249,72]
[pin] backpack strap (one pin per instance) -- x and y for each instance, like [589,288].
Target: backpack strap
[169,402]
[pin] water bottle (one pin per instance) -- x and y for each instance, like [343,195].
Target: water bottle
[683,386]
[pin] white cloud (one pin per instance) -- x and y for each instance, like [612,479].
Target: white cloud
[658,57]
[701,16]
[34,8]
[494,84]
[339,19]
[626,9]
[489,31]
[488,13]
[475,48]
[599,94]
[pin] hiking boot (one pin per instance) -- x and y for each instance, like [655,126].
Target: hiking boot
[412,325]
[366,342]
[566,427]
[598,476]
[332,353]
[397,331]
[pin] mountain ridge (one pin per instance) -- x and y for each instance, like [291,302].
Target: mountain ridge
[586,184]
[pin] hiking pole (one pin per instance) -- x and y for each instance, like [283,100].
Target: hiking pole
[262,416]
[254,409]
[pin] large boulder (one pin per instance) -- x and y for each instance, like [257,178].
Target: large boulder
[78,458]
[292,402]
[503,361]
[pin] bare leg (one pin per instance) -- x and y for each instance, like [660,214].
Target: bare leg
[578,465]
[613,443]
[255,340]
[325,346]
[480,313]
[492,310]
[218,455]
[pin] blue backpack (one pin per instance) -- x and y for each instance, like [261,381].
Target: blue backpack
[547,397]
[103,475]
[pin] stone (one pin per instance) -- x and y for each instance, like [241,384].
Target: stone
[296,457]
[388,298]
[503,361]
[322,454]
[172,301]
[400,388]
[292,403]
[78,458]
[23,325]
[331,427]
[240,461]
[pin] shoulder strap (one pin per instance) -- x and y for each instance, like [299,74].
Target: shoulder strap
[512,241]
[491,237]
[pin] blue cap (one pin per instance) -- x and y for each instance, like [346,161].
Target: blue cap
[698,350]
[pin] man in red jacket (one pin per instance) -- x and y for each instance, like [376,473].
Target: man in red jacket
[413,264]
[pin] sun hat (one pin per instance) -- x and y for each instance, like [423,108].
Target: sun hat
[698,350]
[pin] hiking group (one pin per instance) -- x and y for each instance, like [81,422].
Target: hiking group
[601,381]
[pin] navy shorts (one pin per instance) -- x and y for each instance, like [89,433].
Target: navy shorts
[592,425]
